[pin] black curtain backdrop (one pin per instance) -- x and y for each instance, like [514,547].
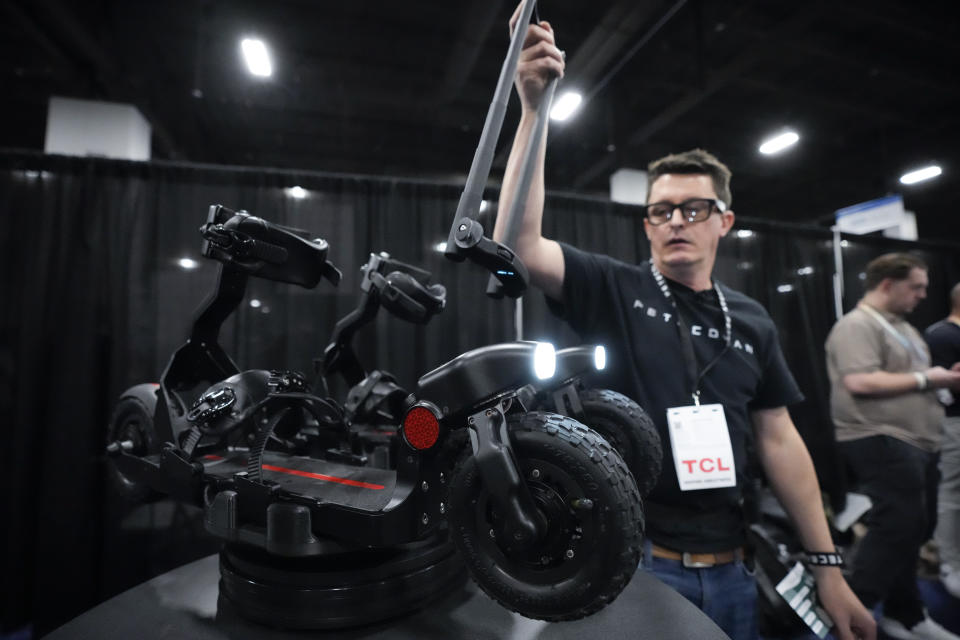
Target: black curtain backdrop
[93,300]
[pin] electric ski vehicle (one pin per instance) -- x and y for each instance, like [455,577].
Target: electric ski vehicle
[542,510]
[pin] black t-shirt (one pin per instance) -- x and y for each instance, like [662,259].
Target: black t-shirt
[620,306]
[943,338]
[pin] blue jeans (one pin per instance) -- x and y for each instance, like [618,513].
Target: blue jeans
[726,593]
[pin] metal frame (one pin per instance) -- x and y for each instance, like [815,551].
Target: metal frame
[466,240]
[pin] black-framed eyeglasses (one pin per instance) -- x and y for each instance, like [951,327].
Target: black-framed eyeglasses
[693,210]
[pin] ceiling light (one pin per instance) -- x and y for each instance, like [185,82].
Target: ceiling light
[779,142]
[921,174]
[187,263]
[744,233]
[440,246]
[298,193]
[256,56]
[785,288]
[565,106]
[484,205]
[255,303]
[804,271]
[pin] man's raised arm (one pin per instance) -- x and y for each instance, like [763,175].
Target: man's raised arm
[540,60]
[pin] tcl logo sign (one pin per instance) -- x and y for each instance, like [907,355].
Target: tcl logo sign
[706,465]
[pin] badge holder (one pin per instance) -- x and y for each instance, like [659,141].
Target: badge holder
[702,453]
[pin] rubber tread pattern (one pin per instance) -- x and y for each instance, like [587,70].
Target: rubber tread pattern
[647,453]
[614,558]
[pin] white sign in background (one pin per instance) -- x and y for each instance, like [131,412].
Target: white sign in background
[883,214]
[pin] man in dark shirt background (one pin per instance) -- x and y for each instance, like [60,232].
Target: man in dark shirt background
[684,346]
[943,338]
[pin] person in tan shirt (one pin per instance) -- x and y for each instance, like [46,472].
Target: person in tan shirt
[887,416]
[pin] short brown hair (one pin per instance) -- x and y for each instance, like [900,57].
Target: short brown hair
[896,266]
[693,162]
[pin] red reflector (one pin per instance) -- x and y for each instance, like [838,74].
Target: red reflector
[421,428]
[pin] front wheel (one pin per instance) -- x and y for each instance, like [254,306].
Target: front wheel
[631,431]
[591,508]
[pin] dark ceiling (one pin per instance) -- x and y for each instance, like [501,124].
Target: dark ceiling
[402,88]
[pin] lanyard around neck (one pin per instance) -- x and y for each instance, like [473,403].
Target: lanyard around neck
[906,341]
[686,342]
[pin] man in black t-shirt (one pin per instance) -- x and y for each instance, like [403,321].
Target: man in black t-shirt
[943,338]
[703,360]
[621,306]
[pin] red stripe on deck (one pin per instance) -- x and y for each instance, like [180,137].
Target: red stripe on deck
[315,476]
[320,476]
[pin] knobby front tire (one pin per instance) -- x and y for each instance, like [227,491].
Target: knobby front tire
[631,431]
[593,515]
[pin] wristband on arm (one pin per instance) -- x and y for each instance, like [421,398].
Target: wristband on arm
[824,558]
[922,381]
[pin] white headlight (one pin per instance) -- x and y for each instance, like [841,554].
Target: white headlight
[544,360]
[600,357]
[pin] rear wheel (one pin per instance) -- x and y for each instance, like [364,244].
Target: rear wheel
[631,431]
[589,504]
[133,422]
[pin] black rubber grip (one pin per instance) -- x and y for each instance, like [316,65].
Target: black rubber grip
[267,252]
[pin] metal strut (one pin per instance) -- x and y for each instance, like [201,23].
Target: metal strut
[466,238]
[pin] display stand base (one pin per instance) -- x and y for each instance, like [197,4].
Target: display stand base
[340,589]
[186,603]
